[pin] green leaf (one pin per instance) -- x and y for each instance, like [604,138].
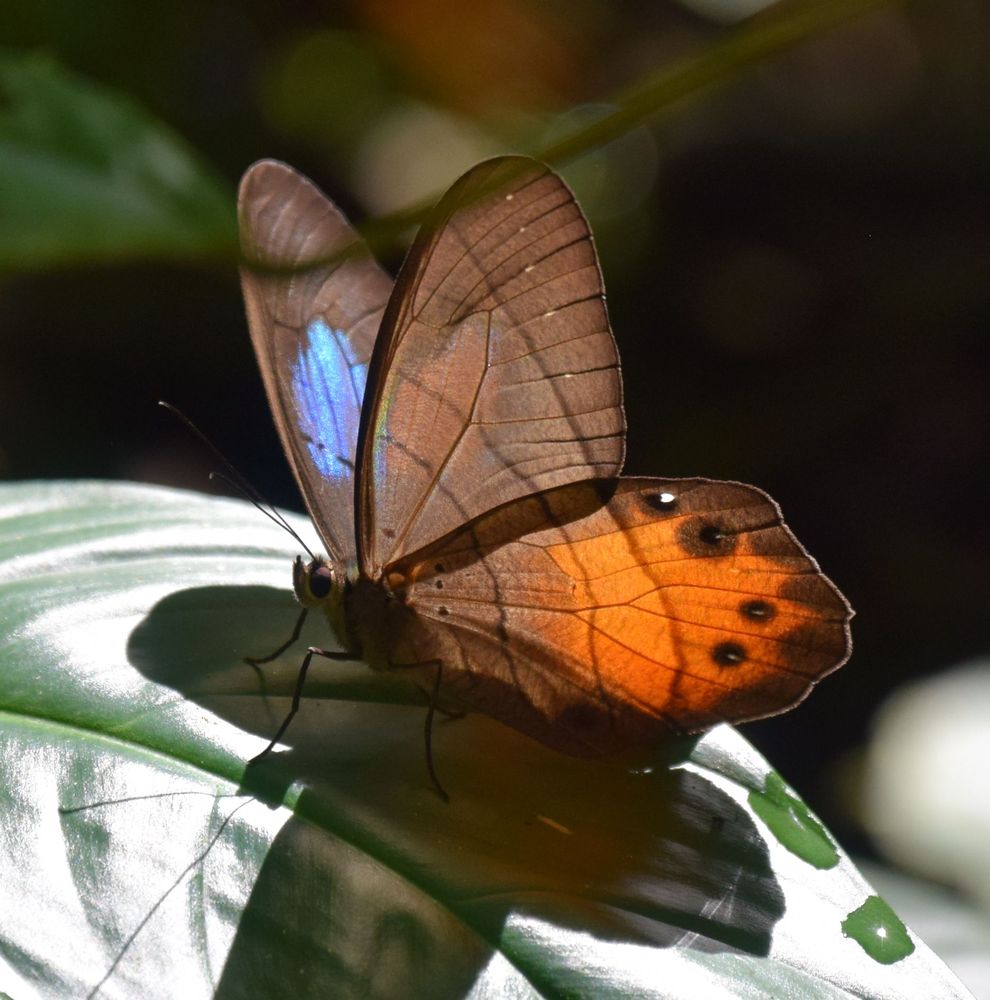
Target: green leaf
[140,857]
[86,175]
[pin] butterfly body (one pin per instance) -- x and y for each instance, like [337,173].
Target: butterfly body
[458,440]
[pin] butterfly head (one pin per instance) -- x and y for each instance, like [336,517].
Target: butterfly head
[320,583]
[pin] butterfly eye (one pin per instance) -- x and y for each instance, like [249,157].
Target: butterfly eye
[320,581]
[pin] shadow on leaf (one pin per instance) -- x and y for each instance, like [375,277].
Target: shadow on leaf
[376,887]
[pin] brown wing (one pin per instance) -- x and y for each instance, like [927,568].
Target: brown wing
[598,616]
[313,329]
[496,374]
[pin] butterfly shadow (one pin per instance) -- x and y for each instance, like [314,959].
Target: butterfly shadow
[377,883]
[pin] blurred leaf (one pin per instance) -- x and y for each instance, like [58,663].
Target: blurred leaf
[923,803]
[87,175]
[140,858]
[718,63]
[715,64]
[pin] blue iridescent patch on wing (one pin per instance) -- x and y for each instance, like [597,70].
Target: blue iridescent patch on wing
[328,388]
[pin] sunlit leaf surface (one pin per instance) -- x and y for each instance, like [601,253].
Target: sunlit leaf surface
[140,858]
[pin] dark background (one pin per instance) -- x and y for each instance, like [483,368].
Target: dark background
[796,266]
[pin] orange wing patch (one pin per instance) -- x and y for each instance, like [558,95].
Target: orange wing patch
[616,609]
[695,612]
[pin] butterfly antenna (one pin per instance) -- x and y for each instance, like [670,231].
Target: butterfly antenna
[271,512]
[235,480]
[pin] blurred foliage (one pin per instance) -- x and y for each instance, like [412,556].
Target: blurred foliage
[85,175]
[795,260]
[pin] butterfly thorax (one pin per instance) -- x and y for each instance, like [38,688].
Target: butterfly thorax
[374,618]
[365,614]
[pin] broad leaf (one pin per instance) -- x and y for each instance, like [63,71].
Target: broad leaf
[140,857]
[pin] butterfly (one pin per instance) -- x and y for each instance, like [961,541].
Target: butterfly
[458,439]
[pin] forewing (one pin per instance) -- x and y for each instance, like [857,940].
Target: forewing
[315,300]
[496,374]
[599,616]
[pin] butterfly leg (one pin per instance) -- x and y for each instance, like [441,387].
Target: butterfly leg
[432,709]
[447,713]
[428,732]
[297,693]
[257,661]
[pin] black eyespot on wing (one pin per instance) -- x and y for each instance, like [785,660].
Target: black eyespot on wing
[757,611]
[443,611]
[710,534]
[728,654]
[699,536]
[662,501]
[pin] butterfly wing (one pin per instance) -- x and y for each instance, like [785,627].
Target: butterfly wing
[496,374]
[601,615]
[313,330]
